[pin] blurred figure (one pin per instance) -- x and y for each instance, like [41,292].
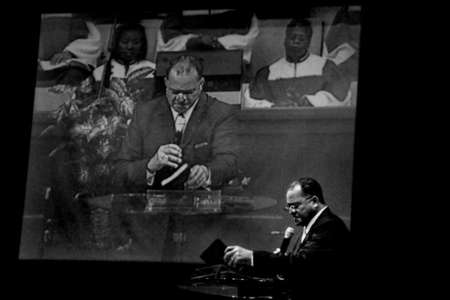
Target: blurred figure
[69,50]
[229,29]
[341,44]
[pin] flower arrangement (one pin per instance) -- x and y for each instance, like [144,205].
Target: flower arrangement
[92,125]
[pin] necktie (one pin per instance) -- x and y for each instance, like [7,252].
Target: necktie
[180,123]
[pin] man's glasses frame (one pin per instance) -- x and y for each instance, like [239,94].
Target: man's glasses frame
[184,92]
[296,205]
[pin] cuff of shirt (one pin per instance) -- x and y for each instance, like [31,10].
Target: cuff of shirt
[208,181]
[251,260]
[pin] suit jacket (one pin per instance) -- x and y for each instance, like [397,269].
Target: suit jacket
[209,139]
[322,255]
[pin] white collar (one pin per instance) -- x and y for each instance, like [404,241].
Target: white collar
[313,220]
[302,59]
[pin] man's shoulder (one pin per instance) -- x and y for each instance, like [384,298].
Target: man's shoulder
[219,108]
[277,64]
[330,219]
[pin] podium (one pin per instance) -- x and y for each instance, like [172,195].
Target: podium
[166,225]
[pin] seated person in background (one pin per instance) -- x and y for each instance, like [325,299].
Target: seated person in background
[300,78]
[75,62]
[185,125]
[128,62]
[342,41]
[228,30]
[321,252]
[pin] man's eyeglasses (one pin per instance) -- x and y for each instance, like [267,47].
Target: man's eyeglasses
[296,204]
[183,92]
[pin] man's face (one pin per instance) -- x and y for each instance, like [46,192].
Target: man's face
[300,207]
[129,46]
[183,90]
[296,42]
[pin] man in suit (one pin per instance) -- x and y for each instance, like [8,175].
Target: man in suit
[184,126]
[320,252]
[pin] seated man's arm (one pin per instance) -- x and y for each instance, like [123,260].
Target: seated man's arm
[177,43]
[326,245]
[259,87]
[336,90]
[225,149]
[171,36]
[242,41]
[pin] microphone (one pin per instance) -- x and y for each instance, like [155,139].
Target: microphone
[286,240]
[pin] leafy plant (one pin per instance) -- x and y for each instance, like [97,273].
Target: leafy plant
[92,126]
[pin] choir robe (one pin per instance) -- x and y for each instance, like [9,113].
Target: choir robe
[316,78]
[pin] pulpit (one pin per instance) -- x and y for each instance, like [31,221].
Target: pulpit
[168,225]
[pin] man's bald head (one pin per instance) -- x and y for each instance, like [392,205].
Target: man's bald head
[185,66]
[184,82]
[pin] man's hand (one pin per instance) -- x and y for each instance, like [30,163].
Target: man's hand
[167,155]
[203,42]
[211,41]
[60,57]
[198,177]
[304,101]
[237,255]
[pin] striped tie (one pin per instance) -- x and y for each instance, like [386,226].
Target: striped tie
[180,123]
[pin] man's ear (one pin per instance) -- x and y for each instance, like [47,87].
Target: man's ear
[314,200]
[165,81]
[202,82]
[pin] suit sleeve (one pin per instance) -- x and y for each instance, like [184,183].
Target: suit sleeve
[336,89]
[324,247]
[225,149]
[130,165]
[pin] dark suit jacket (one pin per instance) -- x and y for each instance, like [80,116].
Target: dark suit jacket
[323,254]
[209,139]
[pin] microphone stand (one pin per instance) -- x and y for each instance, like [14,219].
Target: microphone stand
[104,83]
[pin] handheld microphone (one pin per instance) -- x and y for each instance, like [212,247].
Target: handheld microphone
[286,240]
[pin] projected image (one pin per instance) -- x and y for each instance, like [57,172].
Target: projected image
[160,134]
[306,61]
